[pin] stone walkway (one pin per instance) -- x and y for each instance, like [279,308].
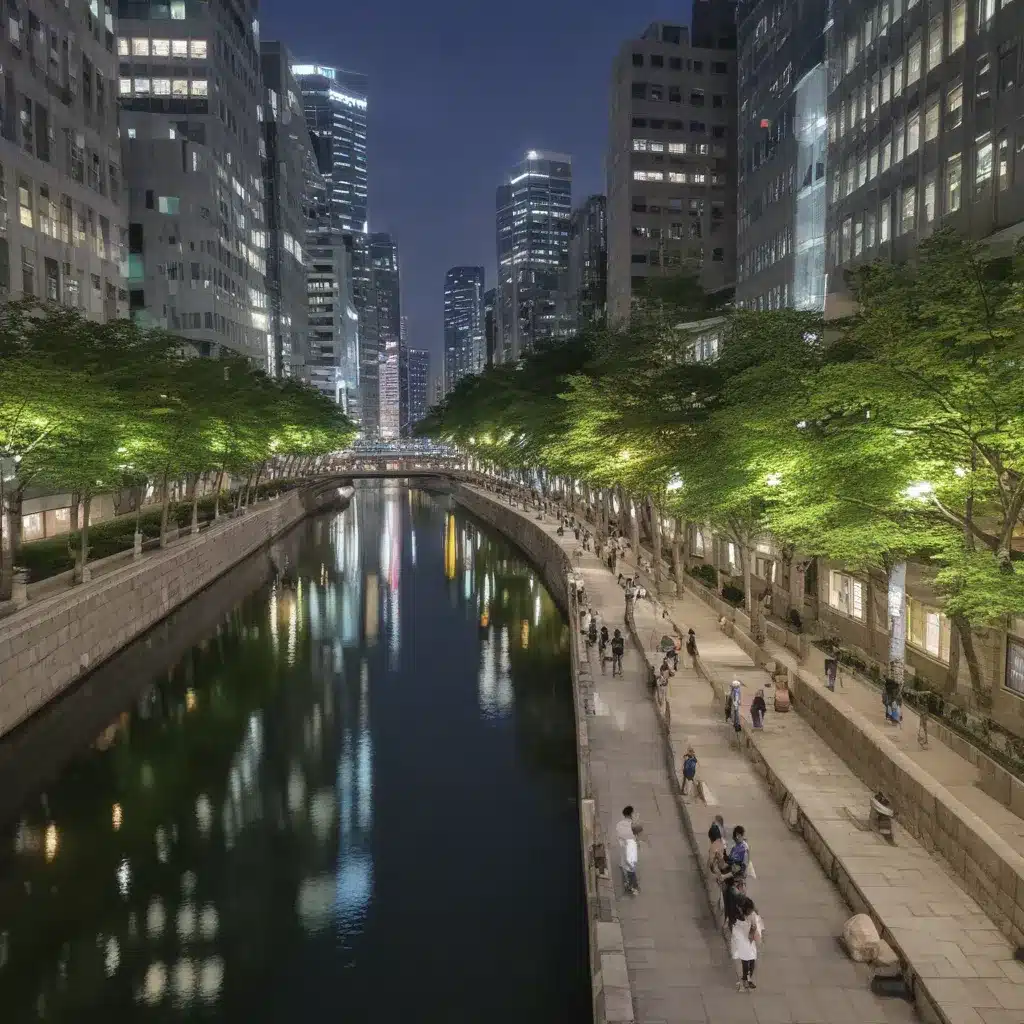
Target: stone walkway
[677,959]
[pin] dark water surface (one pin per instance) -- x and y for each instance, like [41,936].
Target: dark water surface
[340,785]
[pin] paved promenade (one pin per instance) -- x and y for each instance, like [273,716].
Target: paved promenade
[677,959]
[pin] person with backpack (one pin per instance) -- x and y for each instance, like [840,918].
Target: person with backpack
[689,769]
[747,932]
[739,854]
[618,650]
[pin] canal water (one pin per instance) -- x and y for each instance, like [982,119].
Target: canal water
[339,785]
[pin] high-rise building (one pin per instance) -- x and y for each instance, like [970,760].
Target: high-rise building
[387,304]
[417,362]
[533,211]
[336,103]
[464,352]
[490,324]
[924,129]
[671,162]
[65,232]
[588,261]
[438,391]
[286,160]
[191,93]
[780,257]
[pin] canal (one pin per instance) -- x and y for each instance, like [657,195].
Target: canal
[338,785]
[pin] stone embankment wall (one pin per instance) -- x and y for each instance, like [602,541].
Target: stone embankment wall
[613,999]
[52,643]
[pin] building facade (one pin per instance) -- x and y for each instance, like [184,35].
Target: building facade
[464,351]
[671,163]
[64,216]
[924,129]
[286,156]
[336,104]
[490,325]
[386,303]
[588,261]
[190,90]
[780,258]
[533,211]
[417,365]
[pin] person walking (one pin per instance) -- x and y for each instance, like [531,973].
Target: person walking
[626,831]
[757,710]
[618,650]
[691,647]
[630,595]
[592,631]
[739,855]
[747,933]
[689,770]
[585,616]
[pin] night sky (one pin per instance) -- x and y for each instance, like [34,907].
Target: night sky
[459,90]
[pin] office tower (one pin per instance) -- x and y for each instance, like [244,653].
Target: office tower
[65,229]
[286,158]
[336,103]
[924,109]
[490,324]
[780,242]
[671,162]
[533,211]
[588,261]
[418,384]
[387,304]
[403,379]
[438,391]
[190,103]
[464,352]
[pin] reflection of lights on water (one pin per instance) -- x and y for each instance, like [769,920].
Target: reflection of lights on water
[163,847]
[190,700]
[273,618]
[524,634]
[412,544]
[204,814]
[296,789]
[186,921]
[208,922]
[111,957]
[116,816]
[372,608]
[50,842]
[183,981]
[211,979]
[155,985]
[188,883]
[156,918]
[124,878]
[293,626]
[536,611]
[322,814]
[4,946]
[449,549]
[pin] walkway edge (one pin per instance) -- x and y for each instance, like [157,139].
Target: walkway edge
[612,993]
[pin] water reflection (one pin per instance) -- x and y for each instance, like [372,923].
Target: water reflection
[273,807]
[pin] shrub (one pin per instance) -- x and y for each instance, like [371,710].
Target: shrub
[705,574]
[794,621]
[733,595]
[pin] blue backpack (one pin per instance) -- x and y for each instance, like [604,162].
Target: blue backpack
[690,767]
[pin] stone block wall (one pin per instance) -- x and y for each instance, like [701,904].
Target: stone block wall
[52,643]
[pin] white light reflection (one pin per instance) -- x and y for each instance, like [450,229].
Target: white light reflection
[155,985]
[124,878]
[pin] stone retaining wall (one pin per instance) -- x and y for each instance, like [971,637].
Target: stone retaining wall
[612,995]
[49,645]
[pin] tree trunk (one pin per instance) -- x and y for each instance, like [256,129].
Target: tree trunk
[216,494]
[656,541]
[165,495]
[970,655]
[256,483]
[896,578]
[634,530]
[195,503]
[677,568]
[83,538]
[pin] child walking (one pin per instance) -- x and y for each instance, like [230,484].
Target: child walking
[747,932]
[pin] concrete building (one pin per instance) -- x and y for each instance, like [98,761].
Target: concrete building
[387,304]
[490,324]
[588,261]
[417,364]
[924,128]
[671,162]
[191,93]
[464,351]
[780,258]
[336,103]
[533,211]
[286,159]
[64,214]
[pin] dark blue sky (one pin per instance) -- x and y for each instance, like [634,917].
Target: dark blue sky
[459,90]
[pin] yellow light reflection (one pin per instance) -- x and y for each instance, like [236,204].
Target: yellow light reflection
[449,549]
[50,843]
[117,816]
[372,608]
[190,700]
[524,633]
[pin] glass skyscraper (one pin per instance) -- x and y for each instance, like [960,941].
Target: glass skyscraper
[336,102]
[387,304]
[464,351]
[534,208]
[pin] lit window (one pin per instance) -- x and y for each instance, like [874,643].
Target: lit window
[897,78]
[884,218]
[677,178]
[954,105]
[25,203]
[657,147]
[957,24]
[199,87]
[872,164]
[197,49]
[913,132]
[1003,174]
[161,87]
[847,235]
[142,86]
[639,145]
[929,198]
[883,159]
[898,136]
[168,204]
[140,47]
[179,87]
[179,47]
[858,237]
[846,594]
[177,10]
[677,147]
[862,171]
[983,164]
[953,183]
[931,118]
[914,62]
[986,12]
[123,47]
[909,209]
[870,220]
[886,85]
[161,48]
[125,86]
[927,629]
[935,41]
